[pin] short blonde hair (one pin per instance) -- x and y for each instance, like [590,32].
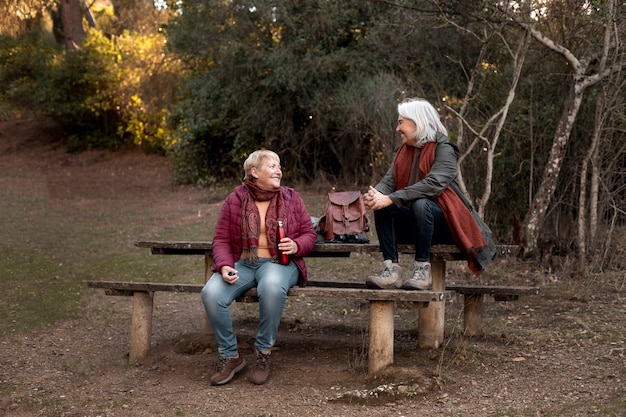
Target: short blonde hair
[255,160]
[425,117]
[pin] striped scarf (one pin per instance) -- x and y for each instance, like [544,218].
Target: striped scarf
[251,223]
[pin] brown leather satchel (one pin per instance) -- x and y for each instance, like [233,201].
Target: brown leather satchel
[345,218]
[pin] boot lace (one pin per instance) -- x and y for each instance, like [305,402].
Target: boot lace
[220,364]
[386,273]
[261,361]
[419,273]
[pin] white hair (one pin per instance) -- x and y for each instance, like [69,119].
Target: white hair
[425,117]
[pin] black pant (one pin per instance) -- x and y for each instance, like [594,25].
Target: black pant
[421,223]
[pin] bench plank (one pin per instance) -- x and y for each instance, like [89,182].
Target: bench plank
[494,290]
[132,286]
[318,289]
[449,252]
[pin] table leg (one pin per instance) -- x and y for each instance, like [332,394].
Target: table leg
[432,317]
[380,354]
[141,325]
[473,314]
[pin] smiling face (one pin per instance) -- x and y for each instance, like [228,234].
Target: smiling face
[407,128]
[268,174]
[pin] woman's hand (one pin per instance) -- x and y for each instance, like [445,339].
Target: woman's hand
[375,200]
[229,275]
[288,246]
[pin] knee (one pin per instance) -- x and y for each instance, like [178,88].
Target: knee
[206,295]
[383,213]
[421,208]
[210,297]
[272,288]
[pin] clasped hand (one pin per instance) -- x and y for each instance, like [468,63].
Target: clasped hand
[375,200]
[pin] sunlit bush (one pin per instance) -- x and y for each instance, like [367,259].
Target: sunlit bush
[112,92]
[148,86]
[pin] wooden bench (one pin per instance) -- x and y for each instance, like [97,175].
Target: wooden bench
[382,302]
[473,305]
[381,324]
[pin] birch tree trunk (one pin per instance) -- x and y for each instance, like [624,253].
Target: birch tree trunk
[535,217]
[590,159]
[536,214]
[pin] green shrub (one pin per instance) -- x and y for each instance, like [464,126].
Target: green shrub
[78,89]
[22,62]
[110,93]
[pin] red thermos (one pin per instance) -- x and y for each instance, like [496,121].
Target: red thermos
[282,258]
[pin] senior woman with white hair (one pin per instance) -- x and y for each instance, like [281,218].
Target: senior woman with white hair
[419,202]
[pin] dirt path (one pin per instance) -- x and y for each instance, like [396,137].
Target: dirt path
[560,353]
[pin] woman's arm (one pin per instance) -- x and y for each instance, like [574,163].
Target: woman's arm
[222,245]
[442,173]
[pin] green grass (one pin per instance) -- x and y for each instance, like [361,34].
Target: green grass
[50,246]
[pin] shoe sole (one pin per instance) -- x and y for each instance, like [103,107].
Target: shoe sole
[231,375]
[375,286]
[411,287]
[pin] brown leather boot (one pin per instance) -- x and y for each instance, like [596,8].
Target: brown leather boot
[261,369]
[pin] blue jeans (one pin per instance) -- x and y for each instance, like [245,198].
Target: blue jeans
[272,281]
[421,223]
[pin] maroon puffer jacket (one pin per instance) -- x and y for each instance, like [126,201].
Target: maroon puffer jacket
[227,243]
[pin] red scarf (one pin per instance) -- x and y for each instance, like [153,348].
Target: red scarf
[460,221]
[251,223]
[402,166]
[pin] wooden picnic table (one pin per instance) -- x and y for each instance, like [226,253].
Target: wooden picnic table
[382,301]
[431,318]
[432,314]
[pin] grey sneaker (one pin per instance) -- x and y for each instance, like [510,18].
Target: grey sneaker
[261,370]
[421,279]
[389,277]
[226,369]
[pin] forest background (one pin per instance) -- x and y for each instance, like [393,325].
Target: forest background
[532,91]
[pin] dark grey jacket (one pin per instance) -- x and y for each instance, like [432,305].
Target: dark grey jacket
[442,174]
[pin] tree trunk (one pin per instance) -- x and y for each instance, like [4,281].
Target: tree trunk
[537,212]
[590,207]
[594,193]
[72,18]
[518,63]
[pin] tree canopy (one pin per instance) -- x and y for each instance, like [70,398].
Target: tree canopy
[521,87]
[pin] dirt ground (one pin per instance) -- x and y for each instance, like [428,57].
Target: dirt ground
[559,353]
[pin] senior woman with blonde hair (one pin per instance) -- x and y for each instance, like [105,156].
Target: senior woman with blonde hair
[245,253]
[418,201]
